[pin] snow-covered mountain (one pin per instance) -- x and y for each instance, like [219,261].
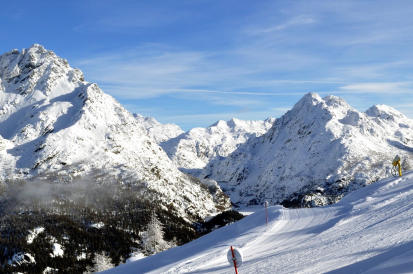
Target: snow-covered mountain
[195,148]
[158,131]
[51,120]
[317,152]
[369,231]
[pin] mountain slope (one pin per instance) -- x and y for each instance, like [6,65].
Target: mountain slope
[317,152]
[369,231]
[54,121]
[159,132]
[195,148]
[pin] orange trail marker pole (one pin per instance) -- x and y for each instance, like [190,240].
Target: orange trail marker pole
[233,258]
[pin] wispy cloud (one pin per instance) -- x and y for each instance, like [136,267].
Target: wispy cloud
[238,102]
[404,106]
[269,56]
[142,93]
[292,22]
[153,70]
[243,110]
[398,87]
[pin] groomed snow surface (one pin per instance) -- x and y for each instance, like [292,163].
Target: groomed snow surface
[368,231]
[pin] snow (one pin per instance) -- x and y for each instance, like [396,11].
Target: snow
[97,225]
[33,234]
[368,231]
[21,258]
[135,257]
[82,256]
[248,210]
[53,121]
[194,149]
[159,132]
[57,250]
[49,270]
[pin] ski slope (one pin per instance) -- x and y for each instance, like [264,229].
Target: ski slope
[368,231]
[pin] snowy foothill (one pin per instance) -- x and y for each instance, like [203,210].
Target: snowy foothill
[368,231]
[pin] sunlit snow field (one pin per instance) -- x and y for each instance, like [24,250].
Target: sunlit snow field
[369,231]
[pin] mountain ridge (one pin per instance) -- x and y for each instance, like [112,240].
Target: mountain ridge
[317,152]
[192,150]
[54,121]
[158,131]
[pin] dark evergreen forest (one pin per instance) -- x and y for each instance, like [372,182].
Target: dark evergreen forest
[68,210]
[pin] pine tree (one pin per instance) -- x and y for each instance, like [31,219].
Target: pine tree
[101,262]
[152,238]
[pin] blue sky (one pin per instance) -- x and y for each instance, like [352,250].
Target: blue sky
[195,62]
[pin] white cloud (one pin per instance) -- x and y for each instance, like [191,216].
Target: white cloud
[154,70]
[398,87]
[404,106]
[285,51]
[294,21]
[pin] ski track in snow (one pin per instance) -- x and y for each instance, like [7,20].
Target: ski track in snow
[369,231]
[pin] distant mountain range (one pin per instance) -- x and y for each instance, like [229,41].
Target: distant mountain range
[192,150]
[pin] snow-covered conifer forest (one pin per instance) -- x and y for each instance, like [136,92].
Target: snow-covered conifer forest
[85,185]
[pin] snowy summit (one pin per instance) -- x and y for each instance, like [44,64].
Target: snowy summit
[314,154]
[195,148]
[53,121]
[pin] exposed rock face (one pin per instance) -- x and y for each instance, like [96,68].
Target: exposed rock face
[53,121]
[317,152]
[158,131]
[195,148]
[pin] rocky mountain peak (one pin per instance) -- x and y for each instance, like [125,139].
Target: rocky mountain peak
[35,70]
[219,124]
[55,122]
[335,101]
[384,112]
[319,144]
[234,122]
[309,99]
